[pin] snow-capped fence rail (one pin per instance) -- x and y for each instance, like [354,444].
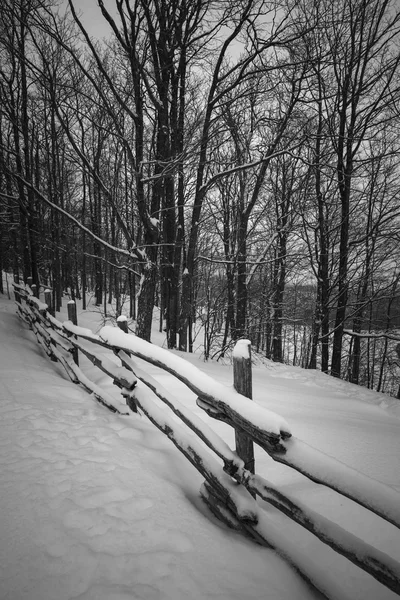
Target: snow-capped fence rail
[232,503]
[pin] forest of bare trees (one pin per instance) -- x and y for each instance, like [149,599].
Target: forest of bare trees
[235,164]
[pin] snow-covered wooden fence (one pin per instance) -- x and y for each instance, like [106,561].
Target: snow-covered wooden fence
[230,486]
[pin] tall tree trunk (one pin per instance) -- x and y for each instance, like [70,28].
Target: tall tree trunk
[344,171]
[241,276]
[277,348]
[321,319]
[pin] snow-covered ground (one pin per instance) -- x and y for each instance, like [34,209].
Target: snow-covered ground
[97,506]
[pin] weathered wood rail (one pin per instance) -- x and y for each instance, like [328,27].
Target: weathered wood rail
[222,468]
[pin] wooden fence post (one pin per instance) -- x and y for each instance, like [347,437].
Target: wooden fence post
[48,301]
[73,317]
[122,323]
[35,290]
[242,382]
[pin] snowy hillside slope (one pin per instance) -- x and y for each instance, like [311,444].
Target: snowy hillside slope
[100,506]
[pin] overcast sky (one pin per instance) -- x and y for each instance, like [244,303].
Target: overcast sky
[91,15]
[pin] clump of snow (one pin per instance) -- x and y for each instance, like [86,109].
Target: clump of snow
[242,349]
[41,306]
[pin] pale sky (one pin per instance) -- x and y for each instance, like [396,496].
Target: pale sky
[91,16]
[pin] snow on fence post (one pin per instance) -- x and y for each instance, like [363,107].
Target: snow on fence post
[48,301]
[242,382]
[122,323]
[72,316]
[35,290]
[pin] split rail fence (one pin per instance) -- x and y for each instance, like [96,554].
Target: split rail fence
[231,486]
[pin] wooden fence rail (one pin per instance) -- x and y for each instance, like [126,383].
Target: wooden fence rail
[232,503]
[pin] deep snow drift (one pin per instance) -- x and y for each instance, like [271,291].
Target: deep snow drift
[98,506]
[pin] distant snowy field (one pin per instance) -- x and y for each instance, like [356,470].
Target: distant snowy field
[96,506]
